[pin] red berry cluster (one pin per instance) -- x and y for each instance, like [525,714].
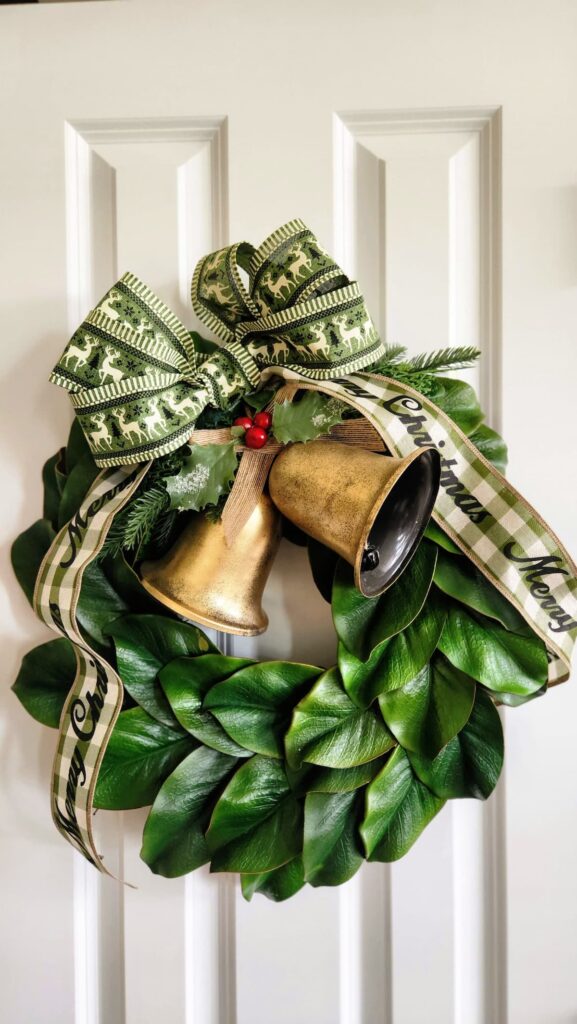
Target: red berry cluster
[256,428]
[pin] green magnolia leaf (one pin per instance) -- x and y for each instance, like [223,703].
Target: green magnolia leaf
[341,780]
[398,808]
[144,645]
[332,851]
[98,607]
[257,824]
[396,661]
[44,680]
[491,445]
[206,475]
[502,661]
[323,563]
[328,729]
[277,885]
[433,707]
[78,483]
[460,402]
[439,537]
[515,700]
[76,446]
[173,840]
[471,762]
[140,755]
[27,553]
[255,704]
[306,419]
[186,681]
[127,585]
[460,579]
[362,623]
[53,482]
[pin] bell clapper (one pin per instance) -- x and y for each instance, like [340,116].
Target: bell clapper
[370,559]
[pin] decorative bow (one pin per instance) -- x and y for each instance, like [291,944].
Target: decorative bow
[139,380]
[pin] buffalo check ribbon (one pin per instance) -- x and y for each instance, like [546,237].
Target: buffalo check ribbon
[95,700]
[138,381]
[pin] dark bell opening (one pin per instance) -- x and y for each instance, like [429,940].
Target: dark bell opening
[400,523]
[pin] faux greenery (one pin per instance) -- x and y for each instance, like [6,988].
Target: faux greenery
[288,773]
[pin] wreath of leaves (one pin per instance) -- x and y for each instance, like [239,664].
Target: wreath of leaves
[284,772]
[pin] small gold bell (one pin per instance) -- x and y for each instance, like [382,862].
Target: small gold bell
[219,586]
[371,509]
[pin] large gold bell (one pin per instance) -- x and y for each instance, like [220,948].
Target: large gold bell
[219,586]
[371,509]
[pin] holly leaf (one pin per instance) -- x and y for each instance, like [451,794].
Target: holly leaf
[277,885]
[303,420]
[332,851]
[502,661]
[470,764]
[256,824]
[44,680]
[427,712]
[362,623]
[461,580]
[27,553]
[398,808]
[141,754]
[173,840]
[144,645]
[255,704]
[186,681]
[328,729]
[258,400]
[396,661]
[491,445]
[207,474]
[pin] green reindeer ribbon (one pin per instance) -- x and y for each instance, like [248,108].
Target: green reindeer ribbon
[139,380]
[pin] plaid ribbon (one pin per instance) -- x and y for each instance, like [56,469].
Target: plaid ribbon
[95,699]
[138,379]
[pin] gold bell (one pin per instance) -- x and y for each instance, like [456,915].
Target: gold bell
[204,580]
[371,509]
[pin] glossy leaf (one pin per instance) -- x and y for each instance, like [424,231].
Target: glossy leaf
[145,644]
[332,850]
[78,483]
[277,885]
[502,661]
[362,623]
[44,680]
[186,681]
[439,537]
[207,474]
[127,585]
[313,415]
[255,704]
[433,707]
[98,607]
[27,553]
[460,402]
[53,482]
[491,445]
[341,780]
[396,661]
[471,762]
[76,446]
[328,729]
[173,840]
[140,755]
[257,824]
[461,580]
[398,808]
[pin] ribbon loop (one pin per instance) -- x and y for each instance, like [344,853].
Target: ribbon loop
[139,380]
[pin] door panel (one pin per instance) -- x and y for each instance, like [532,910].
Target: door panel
[428,145]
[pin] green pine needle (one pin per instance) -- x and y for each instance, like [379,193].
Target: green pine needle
[457,358]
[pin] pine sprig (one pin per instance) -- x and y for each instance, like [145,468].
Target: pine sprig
[457,358]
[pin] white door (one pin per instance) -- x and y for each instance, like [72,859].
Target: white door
[432,146]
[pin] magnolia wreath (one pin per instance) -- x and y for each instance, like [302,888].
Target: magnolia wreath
[158,510]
